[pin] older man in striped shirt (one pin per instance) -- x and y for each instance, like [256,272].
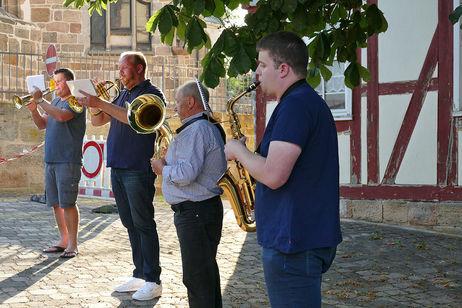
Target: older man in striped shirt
[194,162]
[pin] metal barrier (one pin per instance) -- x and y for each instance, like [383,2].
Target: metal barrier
[167,72]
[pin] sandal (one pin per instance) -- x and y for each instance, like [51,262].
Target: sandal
[53,249]
[69,254]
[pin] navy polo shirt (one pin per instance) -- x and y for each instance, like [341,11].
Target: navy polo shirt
[125,147]
[304,212]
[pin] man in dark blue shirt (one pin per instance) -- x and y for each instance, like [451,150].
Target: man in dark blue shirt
[297,173]
[132,179]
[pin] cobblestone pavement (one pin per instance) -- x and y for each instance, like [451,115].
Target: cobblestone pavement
[376,265]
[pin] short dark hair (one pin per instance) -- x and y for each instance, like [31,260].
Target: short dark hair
[68,73]
[286,47]
[137,58]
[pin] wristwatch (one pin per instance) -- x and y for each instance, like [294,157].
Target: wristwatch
[40,100]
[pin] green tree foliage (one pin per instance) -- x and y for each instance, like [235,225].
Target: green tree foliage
[455,15]
[334,28]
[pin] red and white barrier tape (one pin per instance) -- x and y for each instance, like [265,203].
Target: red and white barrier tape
[24,152]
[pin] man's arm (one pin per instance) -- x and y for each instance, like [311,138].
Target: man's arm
[61,115]
[274,170]
[39,119]
[109,110]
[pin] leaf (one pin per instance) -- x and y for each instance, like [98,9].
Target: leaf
[181,29]
[66,3]
[352,75]
[194,33]
[455,15]
[199,6]
[335,16]
[165,21]
[241,62]
[230,44]
[289,6]
[364,73]
[168,38]
[219,9]
[313,77]
[276,4]
[151,25]
[325,72]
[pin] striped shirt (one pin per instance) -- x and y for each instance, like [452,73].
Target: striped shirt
[195,161]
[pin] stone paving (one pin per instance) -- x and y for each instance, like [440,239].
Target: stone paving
[376,265]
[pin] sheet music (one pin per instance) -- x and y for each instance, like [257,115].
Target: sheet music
[35,80]
[81,84]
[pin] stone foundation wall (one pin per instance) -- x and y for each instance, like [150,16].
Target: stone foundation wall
[436,216]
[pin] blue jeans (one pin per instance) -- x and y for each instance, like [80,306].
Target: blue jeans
[198,226]
[294,280]
[134,193]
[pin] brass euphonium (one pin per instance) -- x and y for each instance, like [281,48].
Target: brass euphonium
[147,114]
[240,191]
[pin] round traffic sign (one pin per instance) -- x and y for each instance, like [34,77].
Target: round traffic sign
[50,60]
[92,159]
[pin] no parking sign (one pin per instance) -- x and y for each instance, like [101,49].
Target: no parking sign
[92,159]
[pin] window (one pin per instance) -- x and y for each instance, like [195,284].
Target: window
[126,20]
[335,93]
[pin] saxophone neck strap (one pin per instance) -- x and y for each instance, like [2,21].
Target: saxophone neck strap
[204,117]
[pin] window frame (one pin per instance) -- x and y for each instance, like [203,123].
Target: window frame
[344,113]
[135,45]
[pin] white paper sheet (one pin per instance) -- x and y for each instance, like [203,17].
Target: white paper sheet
[35,80]
[81,84]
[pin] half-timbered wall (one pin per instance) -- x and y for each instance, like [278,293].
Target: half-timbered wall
[399,152]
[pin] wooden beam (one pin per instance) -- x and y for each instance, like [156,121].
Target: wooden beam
[355,128]
[412,113]
[401,192]
[373,109]
[447,134]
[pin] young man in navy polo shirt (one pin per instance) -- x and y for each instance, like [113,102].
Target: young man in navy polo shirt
[297,173]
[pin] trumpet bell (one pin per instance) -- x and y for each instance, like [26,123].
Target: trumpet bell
[146,113]
[20,101]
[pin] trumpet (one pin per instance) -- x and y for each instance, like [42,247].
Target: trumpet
[21,101]
[102,91]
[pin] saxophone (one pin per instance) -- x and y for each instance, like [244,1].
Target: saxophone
[241,191]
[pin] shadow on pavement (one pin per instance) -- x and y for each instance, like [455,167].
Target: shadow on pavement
[40,215]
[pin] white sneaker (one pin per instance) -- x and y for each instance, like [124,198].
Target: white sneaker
[149,291]
[132,284]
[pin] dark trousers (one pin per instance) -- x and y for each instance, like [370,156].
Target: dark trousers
[134,193]
[198,226]
[294,280]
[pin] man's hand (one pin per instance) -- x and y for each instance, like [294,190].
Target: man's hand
[90,100]
[158,165]
[233,147]
[32,106]
[37,94]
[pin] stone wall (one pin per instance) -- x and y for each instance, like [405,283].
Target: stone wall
[26,173]
[436,216]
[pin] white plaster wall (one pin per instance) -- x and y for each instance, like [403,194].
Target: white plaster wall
[419,162]
[459,157]
[363,140]
[403,47]
[344,157]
